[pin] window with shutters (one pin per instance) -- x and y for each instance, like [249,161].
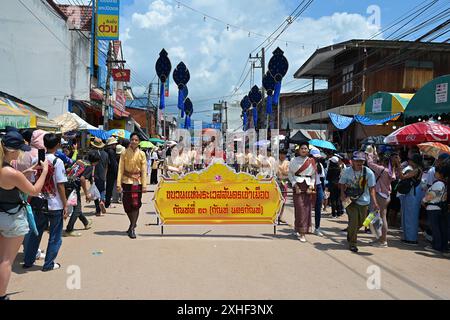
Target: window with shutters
[347,79]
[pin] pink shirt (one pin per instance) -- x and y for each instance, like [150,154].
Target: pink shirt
[384,177]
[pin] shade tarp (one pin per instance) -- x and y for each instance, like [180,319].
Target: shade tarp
[72,122]
[431,100]
[339,121]
[381,104]
[343,122]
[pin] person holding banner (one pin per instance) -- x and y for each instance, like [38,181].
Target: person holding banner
[282,180]
[302,174]
[132,180]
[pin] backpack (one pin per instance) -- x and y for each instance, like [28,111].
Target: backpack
[404,186]
[73,177]
[48,190]
[355,193]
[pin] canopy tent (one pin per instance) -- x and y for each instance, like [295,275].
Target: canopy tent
[102,134]
[72,122]
[382,105]
[431,100]
[306,135]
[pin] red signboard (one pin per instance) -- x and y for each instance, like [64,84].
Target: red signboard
[122,75]
[121,100]
[166,88]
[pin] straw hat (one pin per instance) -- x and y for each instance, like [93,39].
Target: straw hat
[120,149]
[111,141]
[98,143]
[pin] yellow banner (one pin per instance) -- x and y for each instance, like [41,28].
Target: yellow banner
[217,195]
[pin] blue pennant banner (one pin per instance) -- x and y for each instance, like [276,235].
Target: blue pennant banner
[276,95]
[162,100]
[269,105]
[181,98]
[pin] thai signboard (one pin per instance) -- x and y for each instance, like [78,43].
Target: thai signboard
[122,75]
[217,195]
[107,27]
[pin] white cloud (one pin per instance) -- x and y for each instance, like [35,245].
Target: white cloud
[159,15]
[215,57]
[138,90]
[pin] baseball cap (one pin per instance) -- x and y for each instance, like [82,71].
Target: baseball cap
[359,156]
[14,140]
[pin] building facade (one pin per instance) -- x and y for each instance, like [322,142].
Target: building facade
[43,62]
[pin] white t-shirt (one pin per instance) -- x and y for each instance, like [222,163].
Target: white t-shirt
[320,175]
[59,176]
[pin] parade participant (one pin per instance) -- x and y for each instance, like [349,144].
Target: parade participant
[302,174]
[319,191]
[49,209]
[265,168]
[154,163]
[436,204]
[13,217]
[132,179]
[410,195]
[100,176]
[240,162]
[282,180]
[333,176]
[111,174]
[357,183]
[384,173]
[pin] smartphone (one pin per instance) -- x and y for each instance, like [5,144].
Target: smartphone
[41,155]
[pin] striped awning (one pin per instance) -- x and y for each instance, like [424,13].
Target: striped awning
[16,114]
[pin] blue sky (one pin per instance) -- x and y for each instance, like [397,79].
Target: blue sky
[216,56]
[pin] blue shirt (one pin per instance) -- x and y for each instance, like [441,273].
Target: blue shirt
[352,179]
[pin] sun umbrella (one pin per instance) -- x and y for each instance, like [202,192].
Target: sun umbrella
[156,140]
[262,143]
[434,149]
[418,133]
[121,133]
[322,144]
[146,145]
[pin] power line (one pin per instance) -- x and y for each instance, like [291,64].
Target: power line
[233,26]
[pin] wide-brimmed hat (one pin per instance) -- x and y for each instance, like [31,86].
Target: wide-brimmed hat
[120,149]
[111,141]
[97,143]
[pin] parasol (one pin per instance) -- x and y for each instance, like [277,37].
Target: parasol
[434,149]
[418,133]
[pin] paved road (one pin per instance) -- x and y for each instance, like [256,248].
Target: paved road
[230,262]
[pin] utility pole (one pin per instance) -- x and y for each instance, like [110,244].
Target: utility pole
[106,101]
[149,109]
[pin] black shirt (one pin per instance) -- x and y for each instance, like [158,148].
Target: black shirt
[102,166]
